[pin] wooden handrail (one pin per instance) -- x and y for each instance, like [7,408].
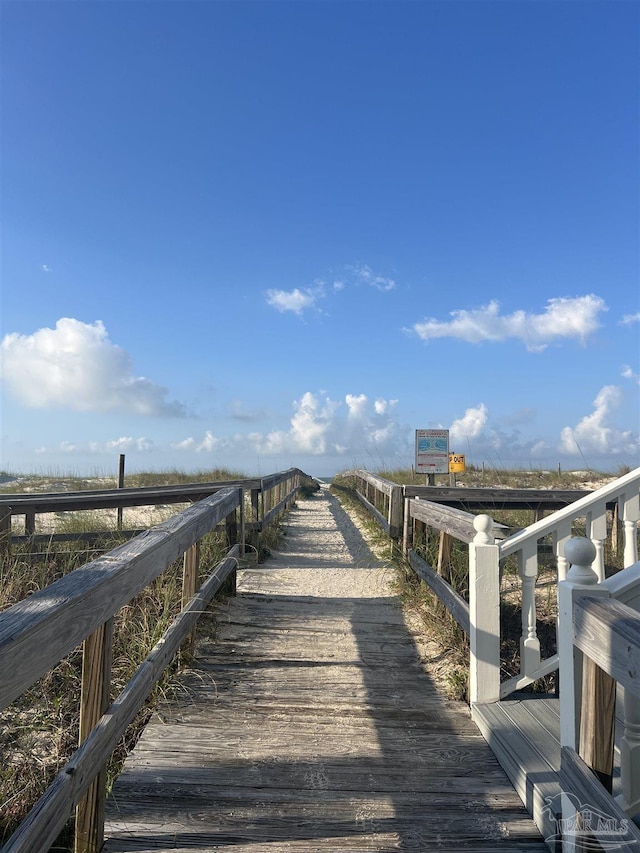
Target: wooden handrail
[607,632]
[31,505]
[79,608]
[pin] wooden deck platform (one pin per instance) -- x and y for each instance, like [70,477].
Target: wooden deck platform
[524,734]
[308,724]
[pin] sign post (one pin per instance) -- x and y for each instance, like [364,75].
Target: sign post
[432,453]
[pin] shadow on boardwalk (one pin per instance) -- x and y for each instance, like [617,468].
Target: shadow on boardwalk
[309,724]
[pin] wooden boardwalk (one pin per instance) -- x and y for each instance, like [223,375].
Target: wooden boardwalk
[309,724]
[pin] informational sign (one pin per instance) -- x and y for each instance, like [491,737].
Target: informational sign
[432,451]
[457,463]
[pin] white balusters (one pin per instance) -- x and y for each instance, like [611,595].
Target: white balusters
[561,536]
[630,505]
[529,642]
[597,532]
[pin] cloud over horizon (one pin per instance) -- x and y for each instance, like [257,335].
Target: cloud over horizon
[563,318]
[596,432]
[75,366]
[361,431]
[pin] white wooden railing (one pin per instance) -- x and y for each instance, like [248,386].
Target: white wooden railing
[600,646]
[620,594]
[486,556]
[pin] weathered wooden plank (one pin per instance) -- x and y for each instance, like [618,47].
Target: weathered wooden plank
[97,656]
[455,522]
[597,721]
[530,757]
[45,627]
[455,604]
[45,502]
[380,518]
[608,631]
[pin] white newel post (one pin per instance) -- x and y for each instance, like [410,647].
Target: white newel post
[581,578]
[484,612]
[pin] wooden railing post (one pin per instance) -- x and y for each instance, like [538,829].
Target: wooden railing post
[190,575]
[597,721]
[407,528]
[5,532]
[445,545]
[484,613]
[242,531]
[30,522]
[120,486]
[396,505]
[581,578]
[253,539]
[94,701]
[231,525]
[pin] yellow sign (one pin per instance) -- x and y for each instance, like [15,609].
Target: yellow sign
[457,463]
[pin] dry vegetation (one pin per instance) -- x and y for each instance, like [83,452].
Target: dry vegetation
[39,731]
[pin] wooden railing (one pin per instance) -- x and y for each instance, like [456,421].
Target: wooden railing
[38,632]
[596,625]
[603,643]
[488,548]
[587,515]
[382,499]
[264,498]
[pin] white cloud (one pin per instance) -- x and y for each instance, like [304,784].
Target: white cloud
[75,366]
[382,406]
[320,426]
[596,433]
[365,275]
[562,318]
[45,268]
[628,373]
[469,426]
[291,300]
[302,299]
[628,319]
[118,445]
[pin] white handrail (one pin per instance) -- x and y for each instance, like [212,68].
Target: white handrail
[580,507]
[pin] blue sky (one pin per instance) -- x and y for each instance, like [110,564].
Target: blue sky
[263,234]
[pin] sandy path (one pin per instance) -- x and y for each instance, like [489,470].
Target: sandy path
[333,562]
[308,724]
